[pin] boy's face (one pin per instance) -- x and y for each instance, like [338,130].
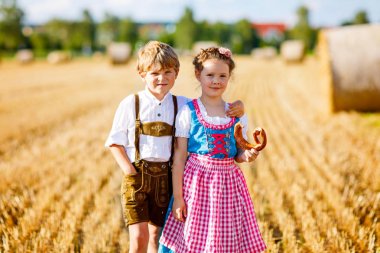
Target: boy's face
[159,81]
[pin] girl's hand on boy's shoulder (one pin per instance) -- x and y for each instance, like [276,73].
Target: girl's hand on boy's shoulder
[179,209]
[236,109]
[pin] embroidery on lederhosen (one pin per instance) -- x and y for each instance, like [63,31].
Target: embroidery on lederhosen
[156,128]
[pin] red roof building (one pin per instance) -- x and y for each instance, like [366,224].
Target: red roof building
[269,31]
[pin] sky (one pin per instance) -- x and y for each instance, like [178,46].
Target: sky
[322,12]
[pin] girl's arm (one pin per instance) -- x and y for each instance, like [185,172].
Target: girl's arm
[179,160]
[122,159]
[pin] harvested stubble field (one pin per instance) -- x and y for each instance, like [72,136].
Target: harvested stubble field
[316,187]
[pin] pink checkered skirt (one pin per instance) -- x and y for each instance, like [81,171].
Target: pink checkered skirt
[220,213]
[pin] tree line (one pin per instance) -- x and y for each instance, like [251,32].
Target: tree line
[85,36]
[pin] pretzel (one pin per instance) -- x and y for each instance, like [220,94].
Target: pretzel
[243,144]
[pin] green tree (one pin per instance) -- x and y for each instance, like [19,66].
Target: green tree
[76,39]
[222,33]
[11,17]
[81,34]
[107,30]
[244,37]
[303,30]
[88,30]
[167,38]
[58,32]
[186,30]
[40,43]
[205,31]
[128,31]
[361,18]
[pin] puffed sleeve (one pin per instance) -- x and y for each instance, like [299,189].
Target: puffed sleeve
[244,123]
[119,131]
[182,123]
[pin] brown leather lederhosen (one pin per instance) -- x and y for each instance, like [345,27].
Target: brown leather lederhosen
[146,195]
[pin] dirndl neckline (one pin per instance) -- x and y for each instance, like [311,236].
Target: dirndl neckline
[208,125]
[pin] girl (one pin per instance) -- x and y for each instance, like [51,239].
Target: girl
[212,210]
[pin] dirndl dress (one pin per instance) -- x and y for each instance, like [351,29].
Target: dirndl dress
[220,213]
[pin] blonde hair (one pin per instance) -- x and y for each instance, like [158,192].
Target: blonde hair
[156,53]
[213,53]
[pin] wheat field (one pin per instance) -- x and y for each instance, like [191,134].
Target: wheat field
[316,186]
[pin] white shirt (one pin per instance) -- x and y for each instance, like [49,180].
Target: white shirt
[183,120]
[151,109]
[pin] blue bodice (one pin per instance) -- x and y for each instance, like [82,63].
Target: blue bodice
[216,141]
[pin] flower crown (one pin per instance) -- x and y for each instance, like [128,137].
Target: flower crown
[225,51]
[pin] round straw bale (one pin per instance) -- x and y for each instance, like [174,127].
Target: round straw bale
[97,55]
[25,56]
[56,57]
[265,53]
[292,50]
[119,52]
[350,64]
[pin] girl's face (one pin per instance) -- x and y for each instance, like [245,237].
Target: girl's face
[214,77]
[159,81]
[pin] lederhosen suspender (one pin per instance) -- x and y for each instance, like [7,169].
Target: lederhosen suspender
[173,129]
[153,128]
[137,129]
[170,182]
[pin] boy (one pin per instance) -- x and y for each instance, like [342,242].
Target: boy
[141,141]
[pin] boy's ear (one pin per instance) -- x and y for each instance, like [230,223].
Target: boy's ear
[142,74]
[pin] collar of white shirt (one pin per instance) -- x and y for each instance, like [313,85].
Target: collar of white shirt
[153,98]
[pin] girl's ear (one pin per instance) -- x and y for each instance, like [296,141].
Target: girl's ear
[197,74]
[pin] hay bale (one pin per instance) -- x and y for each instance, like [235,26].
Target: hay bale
[56,57]
[199,45]
[119,52]
[97,55]
[24,56]
[265,53]
[350,62]
[292,51]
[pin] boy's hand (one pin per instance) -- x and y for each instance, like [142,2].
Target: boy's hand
[236,109]
[179,209]
[129,170]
